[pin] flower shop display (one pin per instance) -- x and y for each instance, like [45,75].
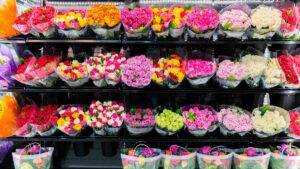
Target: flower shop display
[137,71]
[265,21]
[96,118]
[72,24]
[106,68]
[33,156]
[161,22]
[256,65]
[234,20]
[159,74]
[137,21]
[202,22]
[200,119]
[174,68]
[218,157]
[104,20]
[24,119]
[234,120]
[115,115]
[70,119]
[230,74]
[139,121]
[8,15]
[73,73]
[178,20]
[178,157]
[284,156]
[270,120]
[294,128]
[8,65]
[141,157]
[6,148]
[199,71]
[168,123]
[291,76]
[272,75]
[246,158]
[23,23]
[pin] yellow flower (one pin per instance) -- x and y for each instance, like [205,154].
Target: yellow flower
[77,127]
[157,19]
[154,76]
[75,115]
[155,10]
[85,117]
[164,9]
[157,27]
[67,119]
[60,122]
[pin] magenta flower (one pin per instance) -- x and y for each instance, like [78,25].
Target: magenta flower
[136,19]
[251,152]
[205,150]
[197,67]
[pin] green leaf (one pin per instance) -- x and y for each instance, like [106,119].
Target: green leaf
[118,73]
[290,13]
[227,26]
[143,113]
[21,61]
[141,29]
[178,111]
[265,109]
[133,111]
[192,116]
[272,148]
[231,78]
[189,7]
[119,113]
[173,25]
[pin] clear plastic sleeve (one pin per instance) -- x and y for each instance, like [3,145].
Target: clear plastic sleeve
[138,35]
[136,131]
[163,34]
[258,162]
[106,33]
[218,162]
[44,130]
[46,29]
[182,162]
[73,33]
[279,161]
[164,132]
[100,82]
[228,83]
[112,131]
[176,33]
[75,83]
[25,131]
[100,132]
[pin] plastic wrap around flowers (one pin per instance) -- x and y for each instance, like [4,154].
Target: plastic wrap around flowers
[202,22]
[251,158]
[289,65]
[22,22]
[234,120]
[137,21]
[214,157]
[270,120]
[106,68]
[178,157]
[178,21]
[284,156]
[272,75]
[230,74]
[161,22]
[139,121]
[8,66]
[168,123]
[199,72]
[200,119]
[137,71]
[294,128]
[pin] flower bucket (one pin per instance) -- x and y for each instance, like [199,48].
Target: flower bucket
[216,162]
[278,161]
[182,162]
[81,149]
[257,162]
[112,131]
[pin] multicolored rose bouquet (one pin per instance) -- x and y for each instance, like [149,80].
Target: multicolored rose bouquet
[234,120]
[200,119]
[294,128]
[137,21]
[115,115]
[137,71]
[232,26]
[8,65]
[73,73]
[96,119]
[248,158]
[174,68]
[168,122]
[272,75]
[230,74]
[265,21]
[104,20]
[178,157]
[23,22]
[159,74]
[161,22]
[178,20]
[33,156]
[291,76]
[139,121]
[24,119]
[71,23]
[141,157]
[284,156]
[202,22]
[214,157]
[199,72]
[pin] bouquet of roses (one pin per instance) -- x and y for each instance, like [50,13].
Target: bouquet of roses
[159,75]
[33,156]
[270,120]
[232,26]
[115,115]
[71,23]
[96,118]
[289,66]
[202,22]
[178,20]
[265,21]
[137,21]
[272,75]
[8,66]
[141,157]
[70,119]
[234,120]
[284,156]
[249,158]
[24,119]
[200,119]
[174,68]
[294,128]
[168,122]
[139,121]
[178,157]
[73,73]
[104,20]
[137,71]
[230,74]
[161,22]
[217,157]
[23,22]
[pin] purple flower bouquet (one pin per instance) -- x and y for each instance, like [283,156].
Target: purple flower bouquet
[5,148]
[8,66]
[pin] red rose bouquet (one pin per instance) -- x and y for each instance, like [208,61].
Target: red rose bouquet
[288,66]
[42,20]
[22,22]
[24,119]
[294,129]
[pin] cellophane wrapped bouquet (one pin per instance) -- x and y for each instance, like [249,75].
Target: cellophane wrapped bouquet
[246,158]
[284,156]
[174,68]
[8,11]
[177,157]
[96,119]
[234,120]
[139,121]
[218,157]
[6,148]
[177,25]
[160,75]
[8,66]
[137,21]
[290,67]
[272,75]
[294,128]
[200,119]
[161,22]
[235,20]
[168,122]
[24,119]
[202,22]
[23,22]
[104,20]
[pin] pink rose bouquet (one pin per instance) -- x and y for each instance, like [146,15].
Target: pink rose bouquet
[178,157]
[42,20]
[96,119]
[198,71]
[137,71]
[230,74]
[234,120]
[115,115]
[178,20]
[137,21]
[202,22]
[200,119]
[139,121]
